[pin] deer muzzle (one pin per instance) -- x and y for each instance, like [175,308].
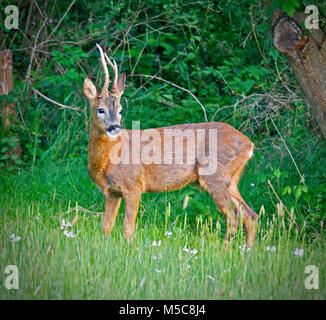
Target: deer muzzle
[113,130]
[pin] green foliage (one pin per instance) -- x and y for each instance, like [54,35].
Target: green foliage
[288,6]
[9,160]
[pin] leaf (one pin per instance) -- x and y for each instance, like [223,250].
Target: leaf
[277,173]
[286,190]
[4,157]
[263,178]
[18,162]
[168,48]
[290,7]
[152,42]
[298,192]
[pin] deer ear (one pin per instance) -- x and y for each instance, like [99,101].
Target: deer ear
[121,83]
[89,89]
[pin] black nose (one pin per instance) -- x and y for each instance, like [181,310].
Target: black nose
[115,129]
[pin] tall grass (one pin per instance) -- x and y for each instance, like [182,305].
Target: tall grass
[91,266]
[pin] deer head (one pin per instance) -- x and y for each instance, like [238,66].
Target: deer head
[106,107]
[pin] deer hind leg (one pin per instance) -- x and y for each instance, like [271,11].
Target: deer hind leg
[132,205]
[112,205]
[249,216]
[220,194]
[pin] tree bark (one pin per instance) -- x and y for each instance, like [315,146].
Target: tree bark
[8,110]
[306,54]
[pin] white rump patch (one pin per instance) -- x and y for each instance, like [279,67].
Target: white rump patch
[251,153]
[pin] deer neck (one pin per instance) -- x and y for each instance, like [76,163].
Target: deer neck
[99,148]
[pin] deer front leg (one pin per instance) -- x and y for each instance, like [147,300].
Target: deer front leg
[112,205]
[132,204]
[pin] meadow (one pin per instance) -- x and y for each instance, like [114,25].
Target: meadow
[174,255]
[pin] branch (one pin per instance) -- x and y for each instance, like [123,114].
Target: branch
[62,106]
[174,85]
[301,177]
[57,26]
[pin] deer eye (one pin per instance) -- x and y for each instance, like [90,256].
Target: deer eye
[120,111]
[100,111]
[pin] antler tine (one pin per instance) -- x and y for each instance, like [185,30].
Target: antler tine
[115,69]
[106,72]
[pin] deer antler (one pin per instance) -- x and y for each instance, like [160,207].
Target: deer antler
[115,69]
[104,91]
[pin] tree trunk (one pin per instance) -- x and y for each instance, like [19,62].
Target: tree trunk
[306,55]
[8,110]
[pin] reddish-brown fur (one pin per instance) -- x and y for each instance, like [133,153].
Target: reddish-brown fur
[131,180]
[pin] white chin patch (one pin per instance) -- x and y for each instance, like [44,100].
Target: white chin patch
[110,135]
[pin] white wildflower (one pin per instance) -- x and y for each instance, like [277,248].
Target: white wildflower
[194,251]
[168,233]
[69,234]
[185,249]
[14,238]
[160,271]
[252,184]
[156,244]
[298,252]
[244,249]
[65,224]
[271,249]
[155,258]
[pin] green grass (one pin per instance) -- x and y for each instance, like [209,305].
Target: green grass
[91,266]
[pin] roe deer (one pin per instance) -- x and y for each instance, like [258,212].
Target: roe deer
[121,173]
